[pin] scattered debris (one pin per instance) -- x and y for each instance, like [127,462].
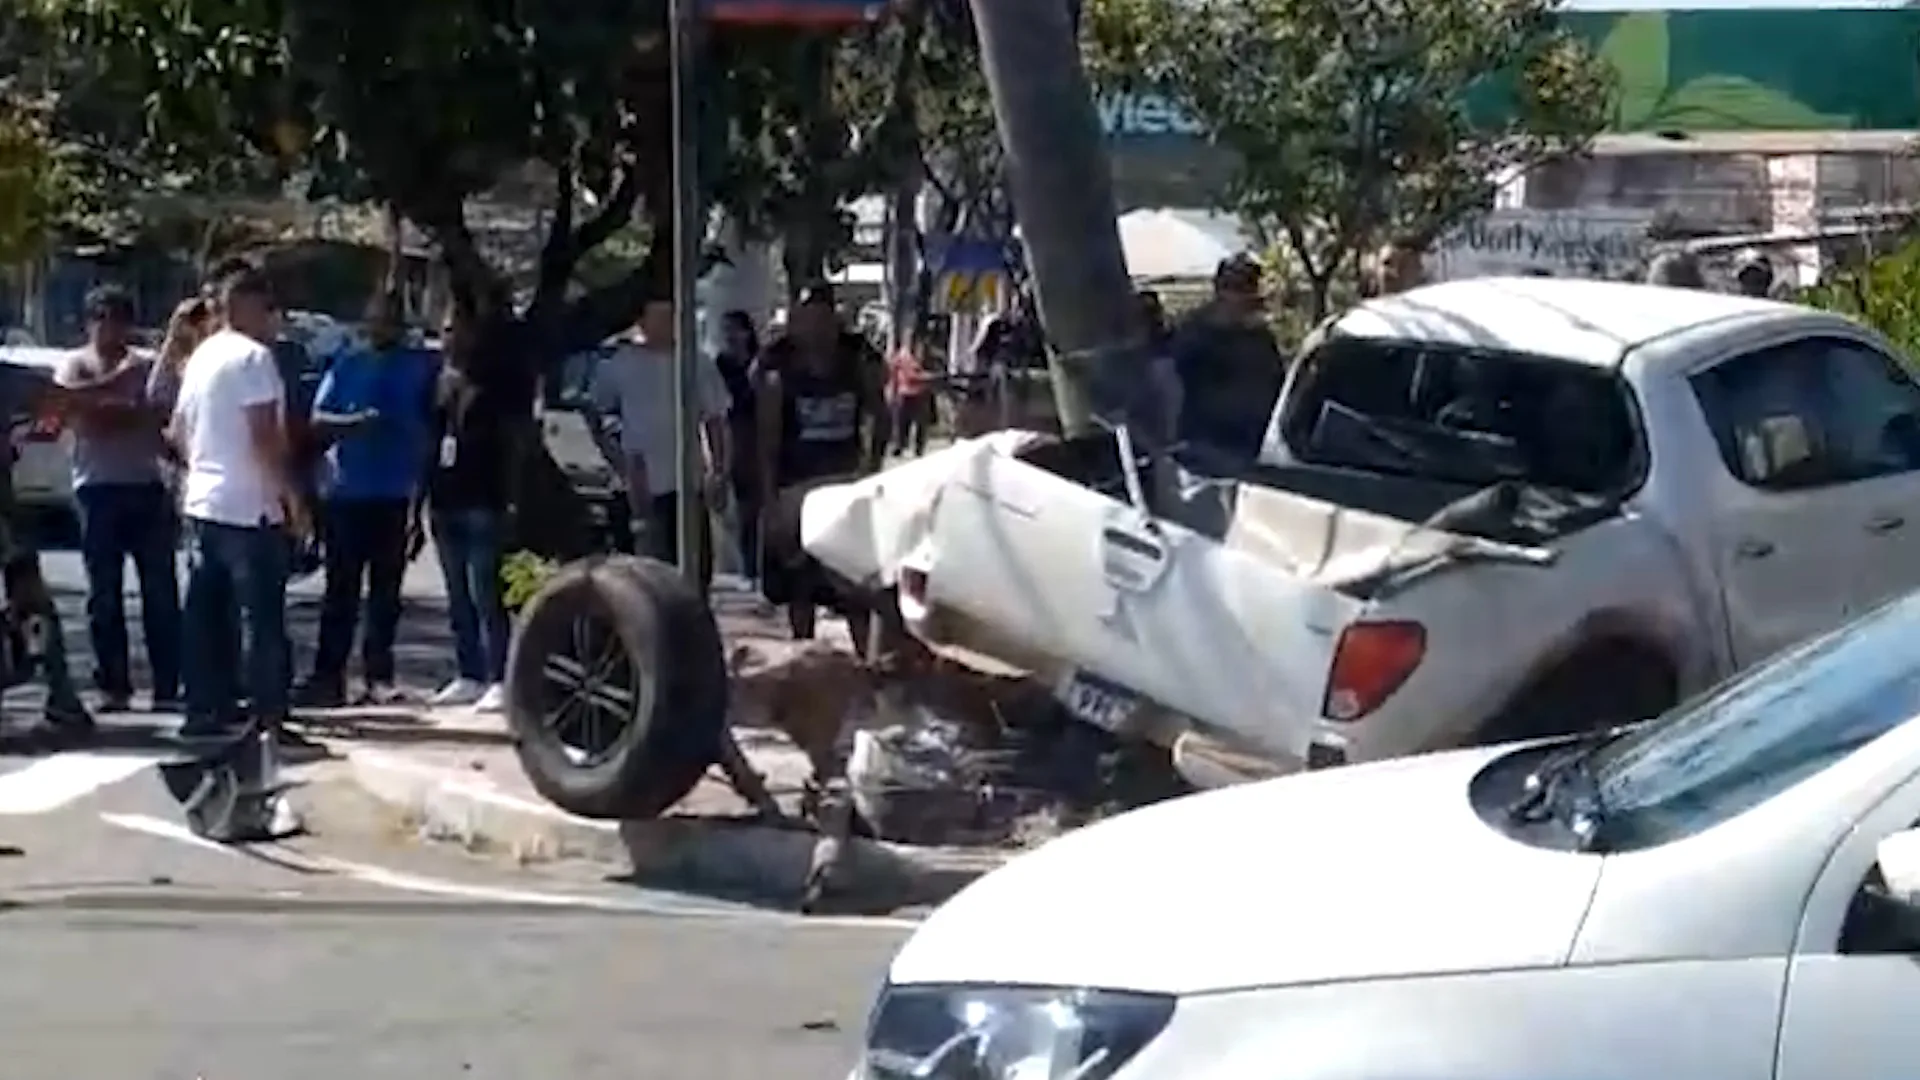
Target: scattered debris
[924,751]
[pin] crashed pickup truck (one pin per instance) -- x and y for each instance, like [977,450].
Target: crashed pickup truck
[1484,510]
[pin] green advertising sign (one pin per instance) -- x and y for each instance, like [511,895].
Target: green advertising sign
[1702,70]
[1759,69]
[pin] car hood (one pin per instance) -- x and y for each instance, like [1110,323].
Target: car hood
[1370,871]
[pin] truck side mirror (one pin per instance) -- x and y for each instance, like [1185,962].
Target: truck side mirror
[1898,859]
[1884,917]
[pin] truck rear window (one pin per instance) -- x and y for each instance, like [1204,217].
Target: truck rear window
[1465,415]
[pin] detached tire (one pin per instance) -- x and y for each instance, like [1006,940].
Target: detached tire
[1601,685]
[616,688]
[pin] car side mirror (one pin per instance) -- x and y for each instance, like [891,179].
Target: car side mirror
[1884,917]
[1898,859]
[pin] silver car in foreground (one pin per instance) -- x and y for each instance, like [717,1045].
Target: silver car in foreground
[1728,892]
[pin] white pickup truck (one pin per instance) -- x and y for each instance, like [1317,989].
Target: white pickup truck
[1485,510]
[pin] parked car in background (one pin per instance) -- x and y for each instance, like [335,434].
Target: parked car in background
[323,336]
[43,467]
[1486,510]
[1729,892]
[562,414]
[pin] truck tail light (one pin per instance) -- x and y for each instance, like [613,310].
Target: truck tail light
[1371,661]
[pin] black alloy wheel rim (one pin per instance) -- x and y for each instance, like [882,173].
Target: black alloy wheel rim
[591,692]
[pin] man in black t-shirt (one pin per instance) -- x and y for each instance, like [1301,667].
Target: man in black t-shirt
[1230,366]
[473,443]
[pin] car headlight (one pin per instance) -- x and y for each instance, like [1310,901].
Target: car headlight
[1007,1033]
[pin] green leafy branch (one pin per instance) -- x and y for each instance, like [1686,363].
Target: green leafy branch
[1639,49]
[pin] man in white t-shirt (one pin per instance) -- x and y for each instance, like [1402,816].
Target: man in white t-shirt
[239,498]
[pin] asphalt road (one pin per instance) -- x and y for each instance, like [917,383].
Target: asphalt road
[139,951]
[418,995]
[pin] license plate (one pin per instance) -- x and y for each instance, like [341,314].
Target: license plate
[1103,704]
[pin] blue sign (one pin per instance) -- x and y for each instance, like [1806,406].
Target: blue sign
[969,273]
[966,254]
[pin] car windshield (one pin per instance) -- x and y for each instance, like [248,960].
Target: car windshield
[1758,735]
[1466,415]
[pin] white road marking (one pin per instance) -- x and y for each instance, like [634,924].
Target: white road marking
[428,886]
[52,782]
[166,830]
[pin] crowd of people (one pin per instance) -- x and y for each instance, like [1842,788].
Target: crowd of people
[221,444]
[214,445]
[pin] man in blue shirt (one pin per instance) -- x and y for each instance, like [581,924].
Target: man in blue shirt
[372,409]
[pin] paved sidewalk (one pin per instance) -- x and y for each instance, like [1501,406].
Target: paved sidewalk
[450,775]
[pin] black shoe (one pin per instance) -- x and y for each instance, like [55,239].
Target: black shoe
[166,705]
[65,724]
[320,693]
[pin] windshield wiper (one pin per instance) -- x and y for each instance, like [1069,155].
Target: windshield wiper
[1564,788]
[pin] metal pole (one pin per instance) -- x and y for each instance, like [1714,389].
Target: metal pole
[689,229]
[1062,186]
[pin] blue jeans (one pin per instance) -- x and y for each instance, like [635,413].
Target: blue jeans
[469,545]
[236,581]
[120,522]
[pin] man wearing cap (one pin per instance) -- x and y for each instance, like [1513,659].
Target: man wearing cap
[1676,270]
[1230,368]
[1752,274]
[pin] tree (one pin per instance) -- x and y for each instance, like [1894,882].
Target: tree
[74,126]
[425,105]
[822,119]
[1354,122]
[29,186]
[1880,288]
[959,152]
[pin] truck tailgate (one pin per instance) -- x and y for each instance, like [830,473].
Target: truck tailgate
[1209,629]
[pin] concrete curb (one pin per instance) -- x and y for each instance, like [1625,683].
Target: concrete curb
[734,858]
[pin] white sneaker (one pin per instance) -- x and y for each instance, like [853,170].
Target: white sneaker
[383,693]
[493,701]
[459,692]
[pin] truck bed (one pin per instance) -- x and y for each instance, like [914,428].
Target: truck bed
[1224,604]
[1208,493]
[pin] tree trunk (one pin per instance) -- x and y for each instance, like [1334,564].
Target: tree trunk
[1062,185]
[946,220]
[553,520]
[808,238]
[802,256]
[903,246]
[1321,288]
